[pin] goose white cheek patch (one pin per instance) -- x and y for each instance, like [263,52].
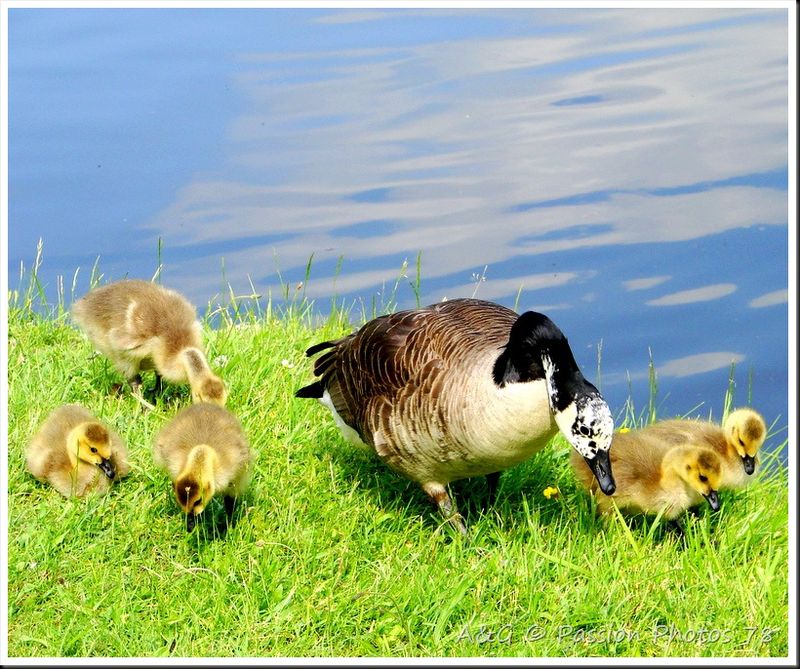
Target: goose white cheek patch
[593,426]
[586,421]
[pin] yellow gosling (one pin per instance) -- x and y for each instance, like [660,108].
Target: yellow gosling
[205,453]
[76,453]
[650,479]
[140,325]
[737,441]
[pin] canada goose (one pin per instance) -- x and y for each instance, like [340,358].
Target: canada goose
[459,389]
[736,442]
[76,453]
[139,325]
[205,452]
[650,478]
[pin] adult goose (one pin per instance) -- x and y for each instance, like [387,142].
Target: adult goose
[459,389]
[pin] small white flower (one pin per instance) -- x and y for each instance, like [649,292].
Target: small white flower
[287,364]
[220,361]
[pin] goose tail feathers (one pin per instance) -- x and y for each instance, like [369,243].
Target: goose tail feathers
[312,390]
[316,348]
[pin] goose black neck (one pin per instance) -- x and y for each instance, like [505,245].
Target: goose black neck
[534,336]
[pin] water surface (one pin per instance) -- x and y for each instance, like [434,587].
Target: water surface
[623,170]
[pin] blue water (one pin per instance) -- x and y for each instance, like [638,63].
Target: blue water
[625,168]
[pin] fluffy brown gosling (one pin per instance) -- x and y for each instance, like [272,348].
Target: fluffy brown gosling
[140,325]
[205,453]
[736,442]
[650,479]
[76,453]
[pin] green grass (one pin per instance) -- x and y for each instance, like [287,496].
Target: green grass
[335,555]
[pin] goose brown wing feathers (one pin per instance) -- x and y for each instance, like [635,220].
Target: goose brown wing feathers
[400,358]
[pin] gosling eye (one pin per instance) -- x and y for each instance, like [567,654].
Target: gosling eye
[197,503]
[741,443]
[703,478]
[93,449]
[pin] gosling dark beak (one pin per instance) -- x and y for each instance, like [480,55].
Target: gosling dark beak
[191,519]
[713,500]
[107,467]
[600,465]
[749,464]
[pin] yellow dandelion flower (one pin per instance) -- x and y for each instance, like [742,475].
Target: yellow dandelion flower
[623,430]
[550,492]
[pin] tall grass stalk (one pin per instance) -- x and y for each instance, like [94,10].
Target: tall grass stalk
[156,278]
[653,384]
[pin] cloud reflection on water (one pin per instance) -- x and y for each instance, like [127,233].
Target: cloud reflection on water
[770,299]
[645,282]
[610,162]
[690,365]
[650,157]
[703,294]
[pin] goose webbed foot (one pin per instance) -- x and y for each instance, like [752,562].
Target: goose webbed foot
[135,383]
[438,493]
[136,391]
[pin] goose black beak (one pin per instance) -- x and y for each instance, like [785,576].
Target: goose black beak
[600,465]
[191,520]
[749,464]
[713,500]
[107,467]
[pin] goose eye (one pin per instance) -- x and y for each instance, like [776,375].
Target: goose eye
[703,478]
[741,443]
[93,449]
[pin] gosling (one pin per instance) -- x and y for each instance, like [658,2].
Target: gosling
[139,325]
[736,442]
[205,453]
[650,479]
[76,453]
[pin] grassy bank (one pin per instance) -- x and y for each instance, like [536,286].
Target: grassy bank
[335,555]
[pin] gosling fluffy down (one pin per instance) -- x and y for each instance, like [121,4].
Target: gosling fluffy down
[737,441]
[140,325]
[205,452]
[76,453]
[650,478]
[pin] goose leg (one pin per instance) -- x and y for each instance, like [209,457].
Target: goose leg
[135,383]
[492,481]
[438,493]
[230,505]
[158,389]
